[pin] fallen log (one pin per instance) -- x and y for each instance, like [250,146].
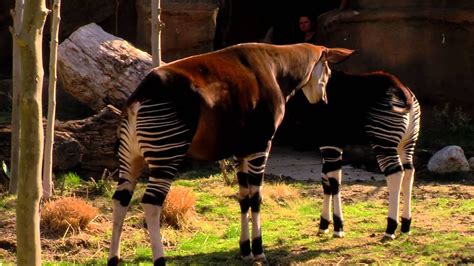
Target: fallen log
[97,136]
[86,146]
[99,69]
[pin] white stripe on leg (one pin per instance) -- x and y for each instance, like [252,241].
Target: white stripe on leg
[326,212]
[152,216]
[337,203]
[394,182]
[119,213]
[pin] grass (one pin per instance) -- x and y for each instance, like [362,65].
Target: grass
[442,228]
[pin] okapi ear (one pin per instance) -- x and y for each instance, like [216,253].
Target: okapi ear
[338,55]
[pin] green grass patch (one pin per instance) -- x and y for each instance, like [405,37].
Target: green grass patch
[69,180]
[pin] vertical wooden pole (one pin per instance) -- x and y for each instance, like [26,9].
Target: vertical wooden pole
[17,16]
[49,138]
[156,27]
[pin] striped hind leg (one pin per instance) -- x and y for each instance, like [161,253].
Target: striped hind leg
[406,151]
[164,140]
[131,165]
[331,181]
[390,164]
[250,178]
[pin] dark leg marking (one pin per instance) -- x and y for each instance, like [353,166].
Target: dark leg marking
[406,225]
[255,201]
[334,184]
[243,179]
[159,262]
[391,226]
[323,224]
[114,261]
[244,205]
[245,248]
[257,247]
[123,196]
[326,186]
[338,223]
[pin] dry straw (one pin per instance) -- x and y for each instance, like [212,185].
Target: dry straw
[179,207]
[67,215]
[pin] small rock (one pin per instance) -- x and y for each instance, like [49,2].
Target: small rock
[448,159]
[471,163]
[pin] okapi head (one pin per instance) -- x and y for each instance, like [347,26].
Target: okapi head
[315,89]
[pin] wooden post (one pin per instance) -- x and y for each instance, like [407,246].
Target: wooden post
[31,136]
[156,27]
[17,16]
[49,138]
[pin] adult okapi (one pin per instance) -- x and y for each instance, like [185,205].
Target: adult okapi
[209,107]
[369,108]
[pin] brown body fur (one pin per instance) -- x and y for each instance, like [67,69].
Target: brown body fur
[237,94]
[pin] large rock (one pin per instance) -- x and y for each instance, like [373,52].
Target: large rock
[189,27]
[416,40]
[448,159]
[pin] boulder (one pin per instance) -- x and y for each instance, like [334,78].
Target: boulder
[448,159]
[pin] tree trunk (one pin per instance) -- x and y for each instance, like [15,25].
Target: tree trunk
[31,136]
[156,27]
[17,15]
[100,69]
[49,139]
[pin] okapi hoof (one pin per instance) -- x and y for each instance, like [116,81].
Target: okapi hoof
[406,233]
[114,261]
[159,262]
[339,234]
[388,237]
[260,259]
[323,231]
[246,258]
[323,226]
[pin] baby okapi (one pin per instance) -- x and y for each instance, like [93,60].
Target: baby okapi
[209,107]
[376,109]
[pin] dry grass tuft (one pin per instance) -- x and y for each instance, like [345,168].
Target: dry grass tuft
[67,215]
[280,193]
[179,207]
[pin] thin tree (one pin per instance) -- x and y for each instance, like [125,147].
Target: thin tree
[156,27]
[49,138]
[17,15]
[31,136]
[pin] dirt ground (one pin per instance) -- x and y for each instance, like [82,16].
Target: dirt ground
[285,161]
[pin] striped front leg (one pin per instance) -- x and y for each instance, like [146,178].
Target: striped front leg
[331,181]
[250,178]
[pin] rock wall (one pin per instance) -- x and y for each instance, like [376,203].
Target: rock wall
[428,44]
